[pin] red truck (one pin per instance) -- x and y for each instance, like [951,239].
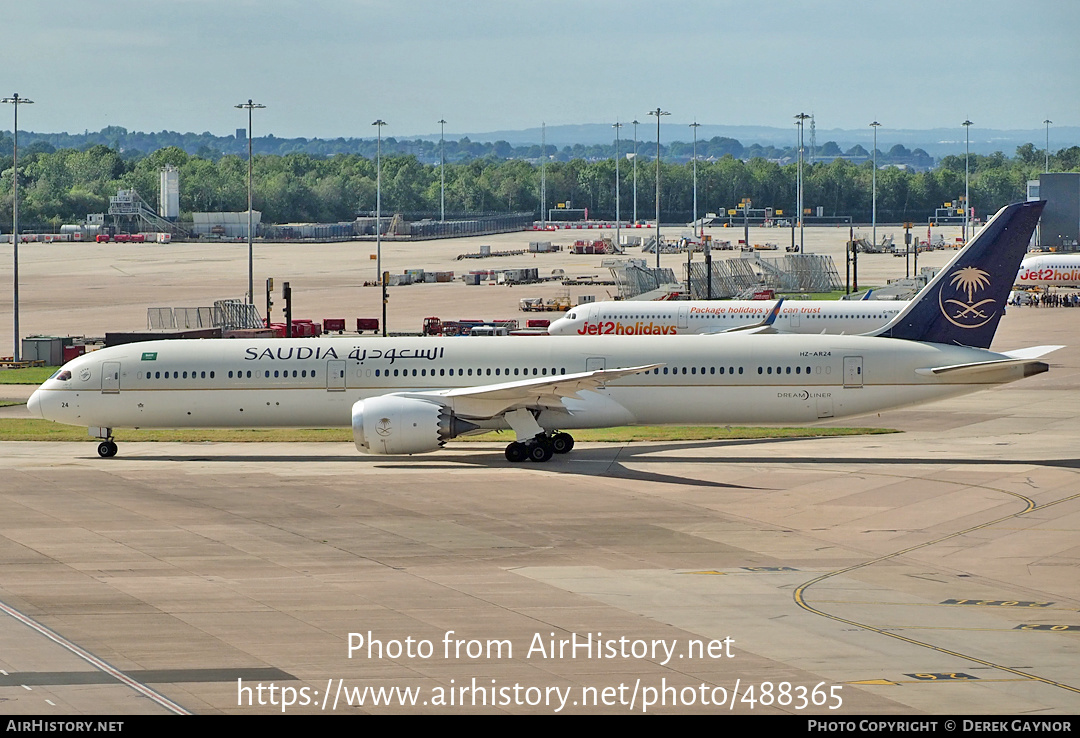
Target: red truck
[121,238]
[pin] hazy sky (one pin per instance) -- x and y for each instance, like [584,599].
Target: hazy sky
[328,68]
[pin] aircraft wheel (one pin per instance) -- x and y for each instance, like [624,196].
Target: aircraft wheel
[107,449]
[562,443]
[540,452]
[516,452]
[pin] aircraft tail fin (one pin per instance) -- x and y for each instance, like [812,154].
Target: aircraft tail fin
[964,302]
[765,325]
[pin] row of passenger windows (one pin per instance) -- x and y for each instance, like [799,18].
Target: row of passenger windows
[178,375]
[733,370]
[468,372]
[302,373]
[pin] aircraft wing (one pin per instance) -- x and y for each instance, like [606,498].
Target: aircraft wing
[490,400]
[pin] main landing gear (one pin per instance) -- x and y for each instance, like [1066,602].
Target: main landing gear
[540,448]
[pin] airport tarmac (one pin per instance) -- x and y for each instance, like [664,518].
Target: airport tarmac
[929,571]
[90,288]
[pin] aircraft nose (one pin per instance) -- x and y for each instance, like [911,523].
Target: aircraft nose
[34,404]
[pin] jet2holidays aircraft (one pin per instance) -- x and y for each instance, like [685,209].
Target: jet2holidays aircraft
[673,317]
[412,395]
[1049,270]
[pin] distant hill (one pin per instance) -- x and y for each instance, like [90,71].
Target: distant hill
[917,148]
[937,142]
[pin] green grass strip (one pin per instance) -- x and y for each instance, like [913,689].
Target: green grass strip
[30,375]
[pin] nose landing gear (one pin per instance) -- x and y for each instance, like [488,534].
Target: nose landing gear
[107,448]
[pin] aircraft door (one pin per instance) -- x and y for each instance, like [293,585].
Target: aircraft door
[110,377]
[853,371]
[335,375]
[792,319]
[684,317]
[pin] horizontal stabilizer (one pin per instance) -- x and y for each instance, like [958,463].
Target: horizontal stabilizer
[974,370]
[1035,352]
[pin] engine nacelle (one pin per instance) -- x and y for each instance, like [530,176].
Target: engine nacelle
[394,425]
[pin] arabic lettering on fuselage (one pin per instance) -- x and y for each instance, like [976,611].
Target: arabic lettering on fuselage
[359,355]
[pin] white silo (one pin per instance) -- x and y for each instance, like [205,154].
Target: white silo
[170,193]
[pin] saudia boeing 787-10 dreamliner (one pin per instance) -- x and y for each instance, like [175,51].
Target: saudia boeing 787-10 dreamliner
[411,395]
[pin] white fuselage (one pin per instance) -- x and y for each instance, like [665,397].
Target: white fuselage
[314,382]
[1049,270]
[665,318]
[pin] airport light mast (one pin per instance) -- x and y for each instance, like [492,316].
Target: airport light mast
[378,217]
[249,106]
[695,125]
[658,113]
[16,101]
[442,170]
[875,125]
[967,154]
[1047,122]
[543,176]
[617,125]
[635,171]
[799,119]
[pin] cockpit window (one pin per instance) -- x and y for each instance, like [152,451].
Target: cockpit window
[573,316]
[62,376]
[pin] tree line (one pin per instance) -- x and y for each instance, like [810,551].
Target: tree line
[63,186]
[135,144]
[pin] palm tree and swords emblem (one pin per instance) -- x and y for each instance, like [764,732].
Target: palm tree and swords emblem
[970,314]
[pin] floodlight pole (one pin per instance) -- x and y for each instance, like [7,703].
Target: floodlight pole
[799,119]
[378,218]
[543,176]
[442,170]
[875,125]
[695,125]
[1048,122]
[617,126]
[635,171]
[967,154]
[658,113]
[16,101]
[249,106]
